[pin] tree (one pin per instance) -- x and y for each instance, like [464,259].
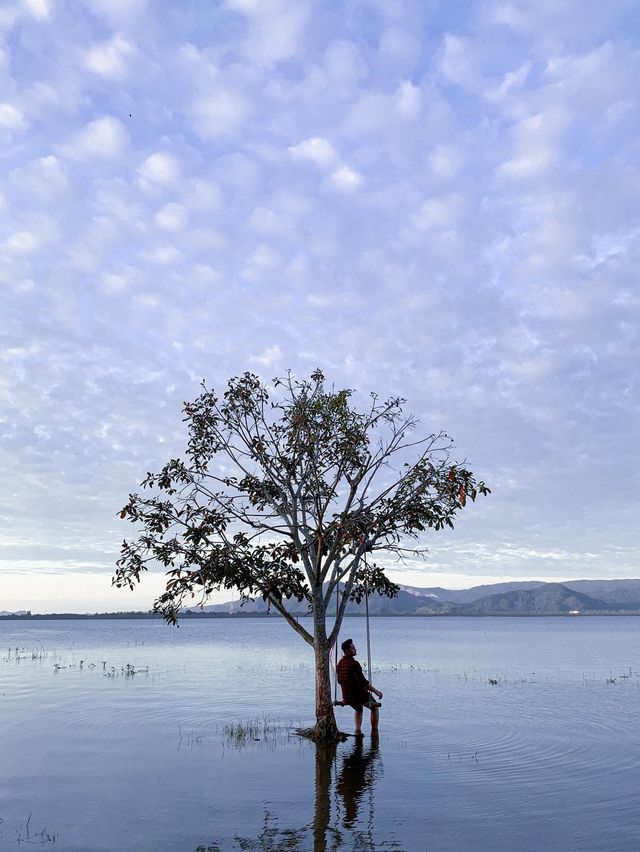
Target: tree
[282,494]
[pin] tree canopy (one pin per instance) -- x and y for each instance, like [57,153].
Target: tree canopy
[283,491]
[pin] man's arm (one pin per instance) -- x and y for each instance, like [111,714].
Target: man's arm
[365,683]
[375,691]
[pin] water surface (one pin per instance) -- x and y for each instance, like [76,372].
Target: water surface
[496,734]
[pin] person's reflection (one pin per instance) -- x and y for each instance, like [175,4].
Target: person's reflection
[357,773]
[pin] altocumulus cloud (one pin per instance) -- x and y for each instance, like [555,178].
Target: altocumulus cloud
[435,201]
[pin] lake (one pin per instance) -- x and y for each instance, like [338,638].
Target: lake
[495,734]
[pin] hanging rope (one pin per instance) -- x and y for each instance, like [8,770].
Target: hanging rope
[368,632]
[335,667]
[366,617]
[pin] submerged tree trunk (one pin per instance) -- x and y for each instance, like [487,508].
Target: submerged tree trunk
[325,729]
[325,718]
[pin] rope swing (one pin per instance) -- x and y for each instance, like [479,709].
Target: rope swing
[336,701]
[366,618]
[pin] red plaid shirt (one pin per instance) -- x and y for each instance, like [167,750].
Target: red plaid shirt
[352,681]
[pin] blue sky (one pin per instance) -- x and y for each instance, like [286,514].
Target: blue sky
[433,199]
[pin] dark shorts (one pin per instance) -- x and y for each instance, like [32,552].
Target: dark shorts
[366,702]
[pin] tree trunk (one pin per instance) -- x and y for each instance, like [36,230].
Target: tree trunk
[325,727]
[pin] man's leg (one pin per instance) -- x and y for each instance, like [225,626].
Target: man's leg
[374,720]
[358,722]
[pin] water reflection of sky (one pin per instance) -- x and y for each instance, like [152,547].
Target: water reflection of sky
[107,760]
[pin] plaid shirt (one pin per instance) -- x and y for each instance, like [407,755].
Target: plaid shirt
[352,681]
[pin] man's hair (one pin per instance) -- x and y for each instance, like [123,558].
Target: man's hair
[346,644]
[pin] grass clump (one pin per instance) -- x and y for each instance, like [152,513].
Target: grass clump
[264,730]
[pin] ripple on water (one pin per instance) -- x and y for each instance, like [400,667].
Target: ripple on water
[567,734]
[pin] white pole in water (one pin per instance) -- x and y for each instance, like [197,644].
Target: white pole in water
[335,670]
[366,614]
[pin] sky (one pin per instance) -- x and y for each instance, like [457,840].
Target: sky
[425,198]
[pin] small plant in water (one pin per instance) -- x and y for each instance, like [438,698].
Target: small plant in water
[24,834]
[127,671]
[264,730]
[189,738]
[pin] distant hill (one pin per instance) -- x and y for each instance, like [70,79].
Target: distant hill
[550,598]
[472,594]
[624,592]
[529,597]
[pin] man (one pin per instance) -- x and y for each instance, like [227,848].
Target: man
[356,688]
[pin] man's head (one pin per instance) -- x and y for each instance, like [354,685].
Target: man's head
[348,648]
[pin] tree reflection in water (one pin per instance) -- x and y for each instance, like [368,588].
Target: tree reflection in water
[341,818]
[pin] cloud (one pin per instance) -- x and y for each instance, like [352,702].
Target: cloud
[459,61]
[344,66]
[536,144]
[438,212]
[202,195]
[90,245]
[511,80]
[219,114]
[265,220]
[38,9]
[172,217]
[162,255]
[109,58]
[276,28]
[271,357]
[445,161]
[316,150]
[400,48]
[115,283]
[102,138]
[21,243]
[345,179]
[322,154]
[11,118]
[160,169]
[202,273]
[44,178]
[454,196]
[408,99]
[118,12]
[262,261]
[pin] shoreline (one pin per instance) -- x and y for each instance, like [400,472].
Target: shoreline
[151,616]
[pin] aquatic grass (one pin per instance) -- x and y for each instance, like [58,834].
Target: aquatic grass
[460,756]
[19,654]
[189,739]
[60,663]
[127,671]
[265,730]
[41,838]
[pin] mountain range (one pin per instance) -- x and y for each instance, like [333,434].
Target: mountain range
[526,598]
[529,597]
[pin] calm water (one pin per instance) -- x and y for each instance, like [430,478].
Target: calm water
[95,759]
